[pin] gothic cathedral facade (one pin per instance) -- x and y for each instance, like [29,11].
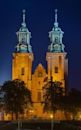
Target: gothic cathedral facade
[57,64]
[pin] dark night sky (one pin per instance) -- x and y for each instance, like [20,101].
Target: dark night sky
[40,19]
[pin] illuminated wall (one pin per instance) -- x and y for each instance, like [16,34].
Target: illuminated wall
[22,67]
[36,89]
[56,63]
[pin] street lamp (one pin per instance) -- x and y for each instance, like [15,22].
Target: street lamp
[31,113]
[52,124]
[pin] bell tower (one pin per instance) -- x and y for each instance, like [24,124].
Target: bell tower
[57,62]
[23,55]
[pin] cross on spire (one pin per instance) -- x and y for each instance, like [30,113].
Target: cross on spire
[56,22]
[24,15]
[24,23]
[56,15]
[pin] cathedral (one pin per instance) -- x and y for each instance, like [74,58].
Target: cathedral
[56,58]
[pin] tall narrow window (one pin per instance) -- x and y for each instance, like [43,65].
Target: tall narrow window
[60,59]
[56,40]
[56,69]
[22,71]
[39,96]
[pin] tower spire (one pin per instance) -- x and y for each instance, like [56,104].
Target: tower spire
[56,22]
[56,36]
[24,23]
[24,36]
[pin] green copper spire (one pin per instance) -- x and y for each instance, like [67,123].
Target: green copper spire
[56,36]
[23,37]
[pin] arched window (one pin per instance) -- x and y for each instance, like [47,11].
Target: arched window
[56,40]
[39,96]
[56,69]
[22,71]
[60,61]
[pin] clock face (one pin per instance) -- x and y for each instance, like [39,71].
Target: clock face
[23,48]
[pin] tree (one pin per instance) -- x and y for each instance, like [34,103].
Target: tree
[52,92]
[1,99]
[17,97]
[71,103]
